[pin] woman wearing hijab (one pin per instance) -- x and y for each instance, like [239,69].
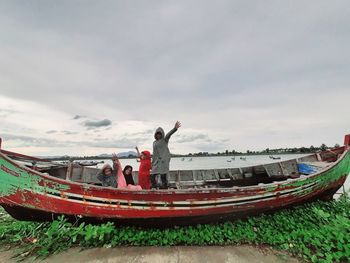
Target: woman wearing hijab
[116,177]
[127,172]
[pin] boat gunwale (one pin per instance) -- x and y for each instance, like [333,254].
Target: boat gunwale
[183,191]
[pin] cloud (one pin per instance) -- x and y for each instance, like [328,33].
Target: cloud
[51,131]
[61,132]
[77,117]
[254,75]
[187,138]
[7,112]
[140,133]
[28,141]
[69,132]
[97,124]
[113,144]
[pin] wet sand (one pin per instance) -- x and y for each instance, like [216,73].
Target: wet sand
[227,254]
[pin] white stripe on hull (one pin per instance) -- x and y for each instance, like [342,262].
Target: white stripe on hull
[191,204]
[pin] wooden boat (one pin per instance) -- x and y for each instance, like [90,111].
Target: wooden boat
[195,196]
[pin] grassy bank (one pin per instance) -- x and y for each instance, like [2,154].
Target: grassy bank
[317,232]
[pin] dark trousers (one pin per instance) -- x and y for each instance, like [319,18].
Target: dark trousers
[154,181]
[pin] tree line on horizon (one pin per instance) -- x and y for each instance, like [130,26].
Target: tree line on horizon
[294,150]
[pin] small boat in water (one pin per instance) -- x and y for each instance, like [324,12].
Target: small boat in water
[88,163]
[243,158]
[275,158]
[46,190]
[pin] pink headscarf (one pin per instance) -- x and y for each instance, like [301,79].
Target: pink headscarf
[122,182]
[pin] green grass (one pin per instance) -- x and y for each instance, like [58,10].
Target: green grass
[317,232]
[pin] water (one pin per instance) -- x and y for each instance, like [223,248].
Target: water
[213,162]
[216,162]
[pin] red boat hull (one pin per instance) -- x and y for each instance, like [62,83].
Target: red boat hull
[29,195]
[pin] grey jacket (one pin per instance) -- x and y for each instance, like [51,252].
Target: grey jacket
[108,180]
[161,153]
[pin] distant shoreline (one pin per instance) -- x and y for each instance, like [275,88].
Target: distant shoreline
[173,156]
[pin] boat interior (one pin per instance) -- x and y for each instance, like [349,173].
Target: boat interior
[209,178]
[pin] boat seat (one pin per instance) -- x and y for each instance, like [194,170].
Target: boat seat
[273,169]
[223,174]
[289,168]
[308,158]
[285,168]
[210,175]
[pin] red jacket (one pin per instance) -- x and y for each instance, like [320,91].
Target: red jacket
[145,170]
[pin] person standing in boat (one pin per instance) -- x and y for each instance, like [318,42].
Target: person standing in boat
[108,175]
[161,156]
[145,168]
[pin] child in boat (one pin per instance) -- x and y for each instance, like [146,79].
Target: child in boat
[108,175]
[145,168]
[161,156]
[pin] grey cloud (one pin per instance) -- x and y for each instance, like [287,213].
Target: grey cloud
[202,67]
[245,70]
[145,132]
[193,138]
[23,141]
[7,112]
[97,124]
[51,131]
[61,132]
[69,132]
[76,117]
[120,143]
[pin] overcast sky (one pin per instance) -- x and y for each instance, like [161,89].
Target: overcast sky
[92,77]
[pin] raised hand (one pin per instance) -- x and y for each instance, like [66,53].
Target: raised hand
[138,151]
[177,124]
[114,157]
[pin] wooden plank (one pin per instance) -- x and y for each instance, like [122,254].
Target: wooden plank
[69,171]
[23,156]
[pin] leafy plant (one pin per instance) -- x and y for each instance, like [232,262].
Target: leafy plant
[316,232]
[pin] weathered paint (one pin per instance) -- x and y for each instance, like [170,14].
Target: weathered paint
[29,189]
[14,178]
[333,174]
